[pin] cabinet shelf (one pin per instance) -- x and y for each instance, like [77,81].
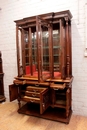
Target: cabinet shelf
[59,105]
[56,47]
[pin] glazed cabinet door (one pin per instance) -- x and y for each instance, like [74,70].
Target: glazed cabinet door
[13,92]
[44,47]
[59,54]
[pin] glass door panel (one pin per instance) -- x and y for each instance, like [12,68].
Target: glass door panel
[19,51]
[45,53]
[34,56]
[43,39]
[26,51]
[26,41]
[56,51]
[30,49]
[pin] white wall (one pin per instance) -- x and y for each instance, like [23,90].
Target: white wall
[11,10]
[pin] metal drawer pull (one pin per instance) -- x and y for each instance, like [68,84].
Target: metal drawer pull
[31,101]
[56,89]
[16,84]
[34,90]
[36,85]
[43,104]
[34,95]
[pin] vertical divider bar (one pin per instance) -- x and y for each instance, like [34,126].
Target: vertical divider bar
[21,54]
[63,49]
[41,54]
[23,51]
[70,51]
[51,51]
[61,44]
[38,46]
[30,52]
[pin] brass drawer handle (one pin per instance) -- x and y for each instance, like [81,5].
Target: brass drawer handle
[34,90]
[31,101]
[43,104]
[56,89]
[37,85]
[16,84]
[34,95]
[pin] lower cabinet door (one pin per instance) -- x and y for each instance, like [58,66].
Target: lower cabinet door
[13,92]
[44,100]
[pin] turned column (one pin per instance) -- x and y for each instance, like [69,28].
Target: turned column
[67,49]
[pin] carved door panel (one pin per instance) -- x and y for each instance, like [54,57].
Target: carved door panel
[13,92]
[44,100]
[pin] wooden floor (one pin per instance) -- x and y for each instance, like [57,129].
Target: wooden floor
[10,119]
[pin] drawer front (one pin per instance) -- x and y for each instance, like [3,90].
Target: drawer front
[32,94]
[35,89]
[31,99]
[57,86]
[18,82]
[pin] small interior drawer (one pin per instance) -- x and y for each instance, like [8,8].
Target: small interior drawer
[31,99]
[17,82]
[57,86]
[35,89]
[32,94]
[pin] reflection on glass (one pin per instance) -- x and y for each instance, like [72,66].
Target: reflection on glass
[34,56]
[26,47]
[31,55]
[45,54]
[30,50]
[56,53]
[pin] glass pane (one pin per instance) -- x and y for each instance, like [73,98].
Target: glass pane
[26,40]
[56,53]
[45,53]
[34,56]
[31,67]
[20,53]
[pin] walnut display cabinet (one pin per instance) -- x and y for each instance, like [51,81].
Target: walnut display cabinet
[43,86]
[2,97]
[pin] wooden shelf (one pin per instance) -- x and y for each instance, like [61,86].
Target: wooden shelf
[55,114]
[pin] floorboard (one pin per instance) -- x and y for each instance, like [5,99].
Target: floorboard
[10,119]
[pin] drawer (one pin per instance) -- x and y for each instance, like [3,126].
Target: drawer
[35,92]
[35,89]
[32,94]
[57,86]
[38,95]
[19,82]
[31,99]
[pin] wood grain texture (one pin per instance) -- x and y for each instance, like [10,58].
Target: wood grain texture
[10,119]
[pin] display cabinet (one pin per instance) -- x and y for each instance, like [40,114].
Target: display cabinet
[2,97]
[44,62]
